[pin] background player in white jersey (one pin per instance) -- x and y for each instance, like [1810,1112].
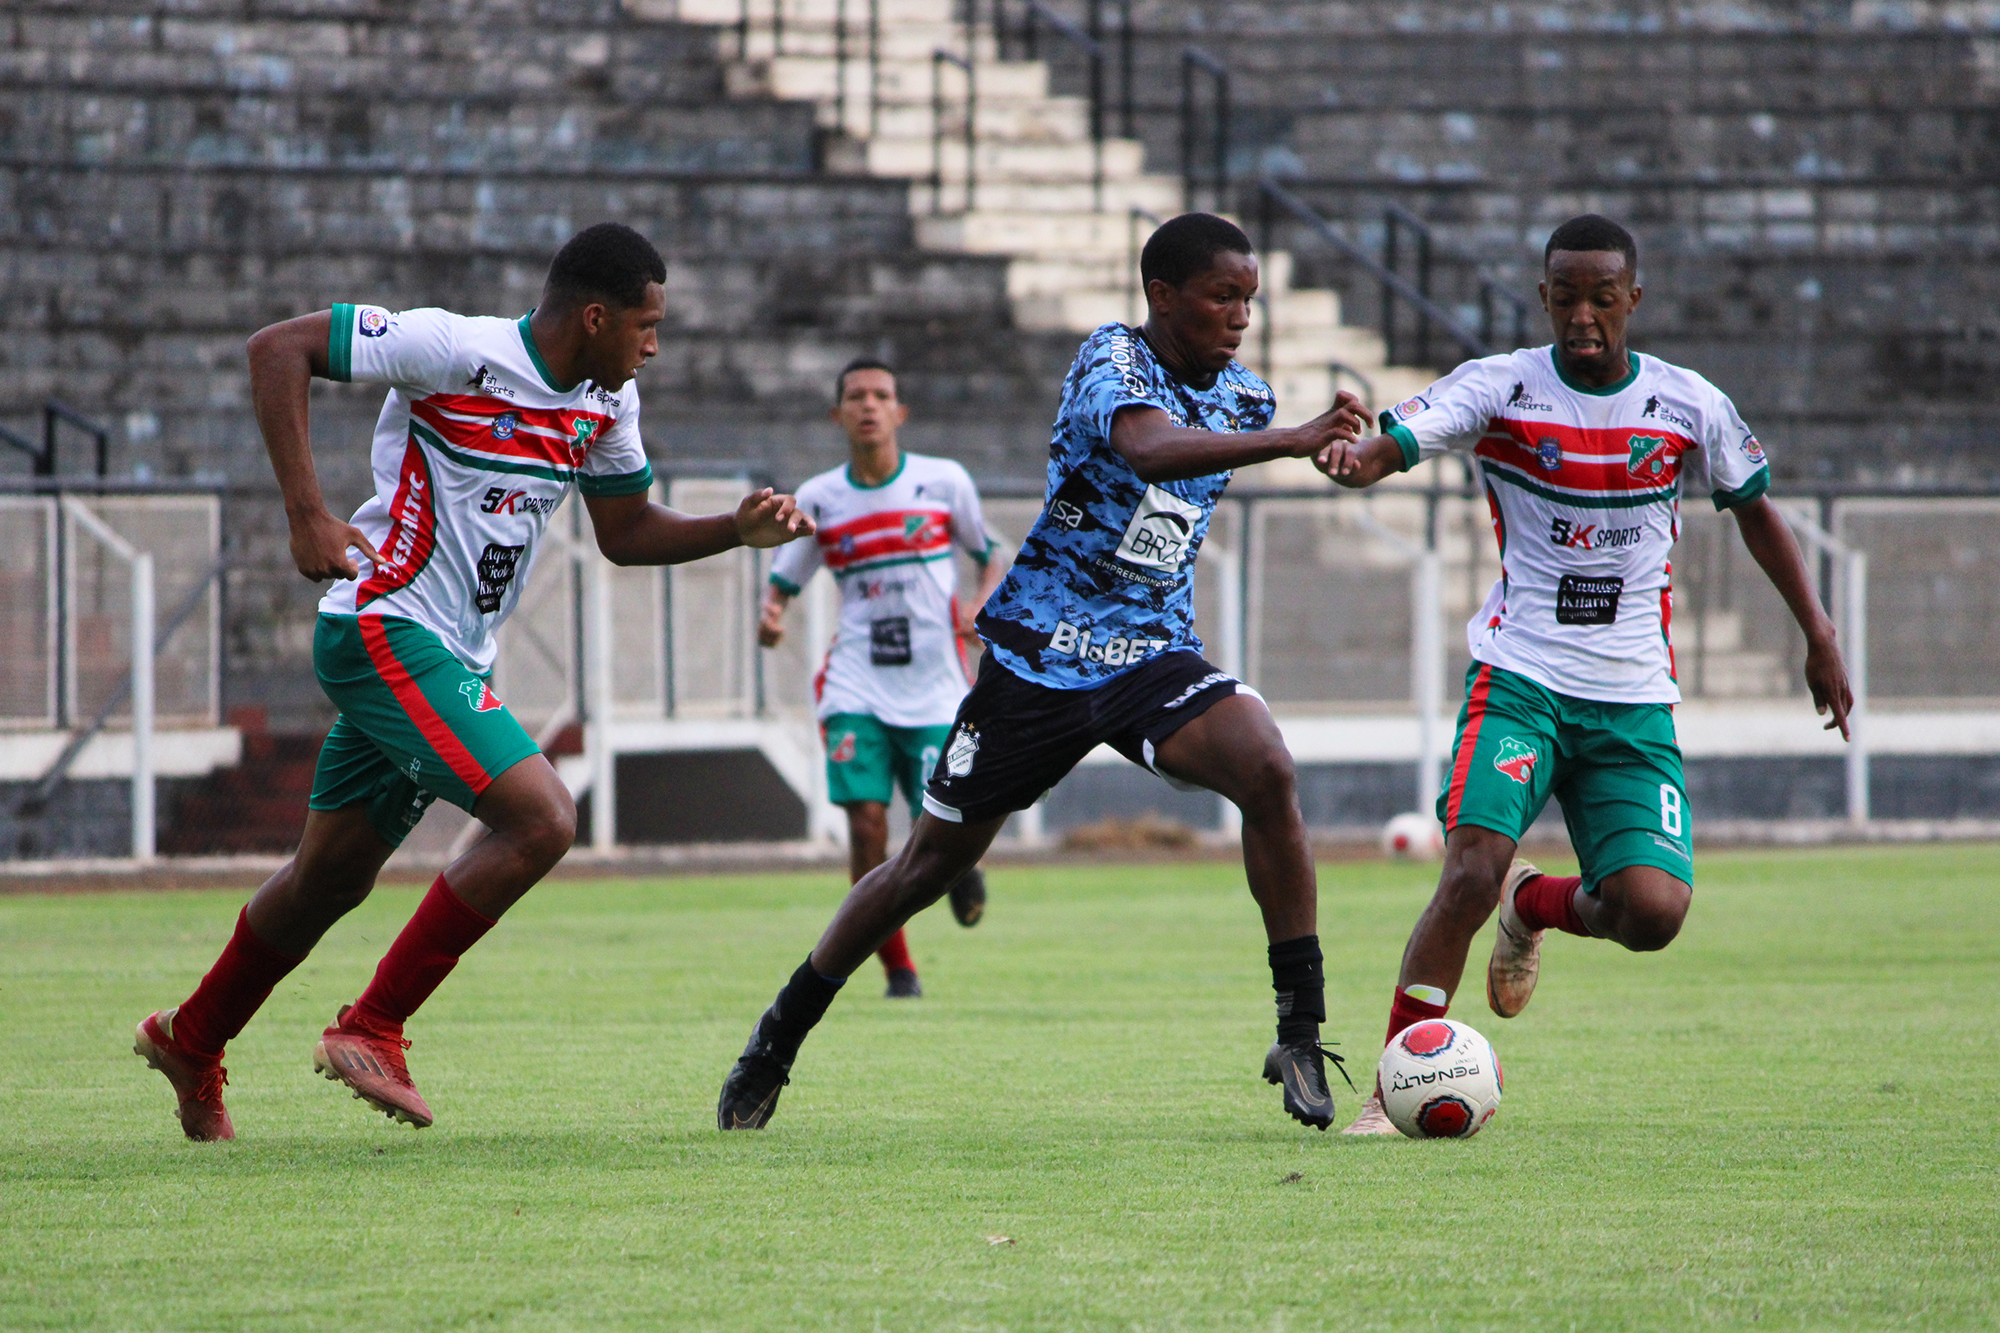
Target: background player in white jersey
[488,425]
[888,522]
[1585,450]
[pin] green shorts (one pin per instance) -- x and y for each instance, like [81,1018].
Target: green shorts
[415,723]
[1614,768]
[867,759]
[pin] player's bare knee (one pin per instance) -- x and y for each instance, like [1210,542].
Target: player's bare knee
[1469,889]
[1651,922]
[1269,787]
[545,835]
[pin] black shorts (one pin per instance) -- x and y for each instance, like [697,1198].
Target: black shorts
[1015,739]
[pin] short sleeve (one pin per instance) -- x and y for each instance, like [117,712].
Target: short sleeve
[414,349]
[1737,469]
[1116,374]
[616,463]
[794,564]
[968,524]
[1452,413]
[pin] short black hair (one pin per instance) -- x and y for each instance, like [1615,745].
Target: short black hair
[1185,246]
[609,262]
[858,363]
[1593,232]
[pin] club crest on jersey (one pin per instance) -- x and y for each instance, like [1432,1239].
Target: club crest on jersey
[1651,457]
[842,750]
[1516,759]
[1549,453]
[481,699]
[959,754]
[914,524]
[373,323]
[503,425]
[585,429]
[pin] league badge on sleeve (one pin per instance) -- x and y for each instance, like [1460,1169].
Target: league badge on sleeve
[1409,407]
[371,322]
[1753,450]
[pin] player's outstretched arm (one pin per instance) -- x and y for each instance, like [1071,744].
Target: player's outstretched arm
[1158,450]
[632,530]
[1362,463]
[1776,551]
[283,359]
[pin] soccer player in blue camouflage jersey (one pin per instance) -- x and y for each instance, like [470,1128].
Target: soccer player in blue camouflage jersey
[1092,641]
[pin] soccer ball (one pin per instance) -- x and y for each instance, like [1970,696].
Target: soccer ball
[1440,1080]
[1413,837]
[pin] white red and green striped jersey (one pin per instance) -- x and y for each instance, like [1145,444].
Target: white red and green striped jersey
[1584,486]
[895,655]
[476,446]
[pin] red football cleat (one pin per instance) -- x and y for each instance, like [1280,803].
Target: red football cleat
[372,1065]
[197,1081]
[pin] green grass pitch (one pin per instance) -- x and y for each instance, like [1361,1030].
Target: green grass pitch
[1786,1121]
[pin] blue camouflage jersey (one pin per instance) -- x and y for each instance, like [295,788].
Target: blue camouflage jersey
[1105,578]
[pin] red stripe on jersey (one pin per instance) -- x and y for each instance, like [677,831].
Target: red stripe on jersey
[890,532]
[561,420]
[529,445]
[1468,741]
[1667,622]
[375,637]
[1624,459]
[412,530]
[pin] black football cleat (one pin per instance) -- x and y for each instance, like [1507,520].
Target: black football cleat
[1301,1068]
[903,985]
[968,897]
[750,1093]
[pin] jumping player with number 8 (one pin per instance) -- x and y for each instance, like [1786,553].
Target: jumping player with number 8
[1585,450]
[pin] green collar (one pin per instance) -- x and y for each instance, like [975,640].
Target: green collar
[902,461]
[535,355]
[1632,359]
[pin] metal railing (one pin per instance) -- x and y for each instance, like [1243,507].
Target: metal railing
[55,415]
[1035,16]
[1196,61]
[939,59]
[1273,198]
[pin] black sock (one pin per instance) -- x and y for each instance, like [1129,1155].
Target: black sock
[1299,978]
[797,1010]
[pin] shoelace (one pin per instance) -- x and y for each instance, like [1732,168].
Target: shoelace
[210,1087]
[1339,1063]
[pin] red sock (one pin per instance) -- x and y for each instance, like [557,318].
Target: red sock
[1548,902]
[420,959]
[895,955]
[234,989]
[1409,1009]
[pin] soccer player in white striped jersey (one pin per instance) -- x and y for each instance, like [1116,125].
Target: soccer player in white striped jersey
[888,523]
[487,427]
[1586,450]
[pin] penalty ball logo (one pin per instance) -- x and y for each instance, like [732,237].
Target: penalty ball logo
[1516,759]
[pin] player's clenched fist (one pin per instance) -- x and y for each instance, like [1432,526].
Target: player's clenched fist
[319,547]
[768,519]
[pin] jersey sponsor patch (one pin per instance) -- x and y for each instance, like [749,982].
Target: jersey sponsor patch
[889,641]
[1580,536]
[1588,601]
[497,565]
[1160,531]
[1516,759]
